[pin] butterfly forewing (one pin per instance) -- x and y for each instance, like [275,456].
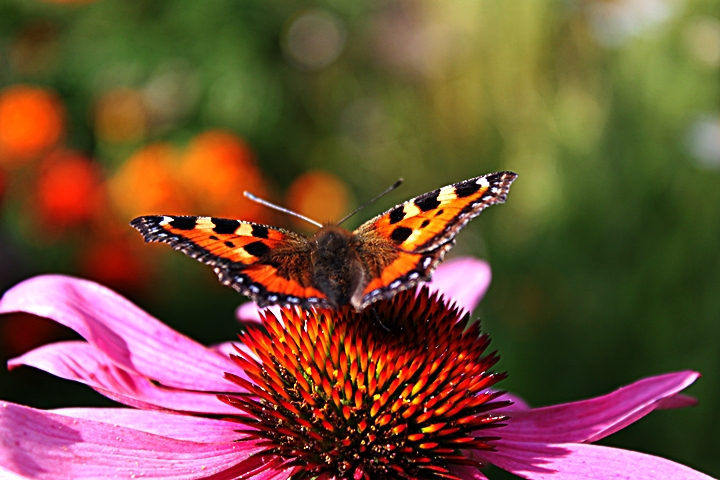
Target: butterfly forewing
[421,230]
[265,263]
[434,218]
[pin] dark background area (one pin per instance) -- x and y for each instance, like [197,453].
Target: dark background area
[606,257]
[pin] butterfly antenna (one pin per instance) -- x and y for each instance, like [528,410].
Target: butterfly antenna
[280,209]
[388,190]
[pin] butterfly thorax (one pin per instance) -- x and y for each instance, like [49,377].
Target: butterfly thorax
[337,268]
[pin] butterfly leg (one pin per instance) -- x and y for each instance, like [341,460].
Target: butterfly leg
[377,319]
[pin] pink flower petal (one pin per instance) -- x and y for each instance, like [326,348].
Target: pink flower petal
[231,348]
[464,280]
[591,420]
[131,338]
[259,467]
[467,472]
[249,312]
[171,425]
[83,362]
[573,461]
[676,401]
[518,402]
[43,445]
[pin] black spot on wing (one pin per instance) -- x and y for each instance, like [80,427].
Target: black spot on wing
[397,215]
[258,231]
[256,249]
[224,226]
[400,234]
[466,188]
[213,237]
[229,244]
[439,212]
[429,201]
[184,223]
[425,223]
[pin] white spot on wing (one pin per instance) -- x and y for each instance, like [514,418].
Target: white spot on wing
[166,220]
[245,230]
[410,210]
[447,194]
[413,236]
[204,222]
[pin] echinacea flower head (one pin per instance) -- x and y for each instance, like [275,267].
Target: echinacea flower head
[395,391]
[403,390]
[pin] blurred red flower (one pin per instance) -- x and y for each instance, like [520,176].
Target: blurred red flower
[69,189]
[114,262]
[31,122]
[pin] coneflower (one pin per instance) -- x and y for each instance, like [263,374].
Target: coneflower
[401,390]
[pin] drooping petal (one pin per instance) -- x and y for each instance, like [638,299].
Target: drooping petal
[593,419]
[44,445]
[83,362]
[467,472]
[165,424]
[677,401]
[574,461]
[132,339]
[518,402]
[463,280]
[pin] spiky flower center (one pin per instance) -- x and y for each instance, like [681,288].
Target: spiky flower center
[396,391]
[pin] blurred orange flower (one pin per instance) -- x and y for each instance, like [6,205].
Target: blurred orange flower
[319,195]
[208,178]
[216,168]
[145,184]
[31,122]
[121,116]
[69,189]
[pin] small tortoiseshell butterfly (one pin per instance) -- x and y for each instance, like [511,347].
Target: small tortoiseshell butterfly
[392,252]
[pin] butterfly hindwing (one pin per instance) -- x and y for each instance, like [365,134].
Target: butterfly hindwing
[268,264]
[400,271]
[422,229]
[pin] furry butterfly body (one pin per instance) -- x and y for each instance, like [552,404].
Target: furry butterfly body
[336,267]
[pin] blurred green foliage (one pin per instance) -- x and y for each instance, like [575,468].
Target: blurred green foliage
[606,256]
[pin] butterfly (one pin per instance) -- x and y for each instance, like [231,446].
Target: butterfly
[336,267]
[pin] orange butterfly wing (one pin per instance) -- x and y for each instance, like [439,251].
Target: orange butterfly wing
[269,265]
[421,230]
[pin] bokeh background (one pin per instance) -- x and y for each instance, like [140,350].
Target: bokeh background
[606,256]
